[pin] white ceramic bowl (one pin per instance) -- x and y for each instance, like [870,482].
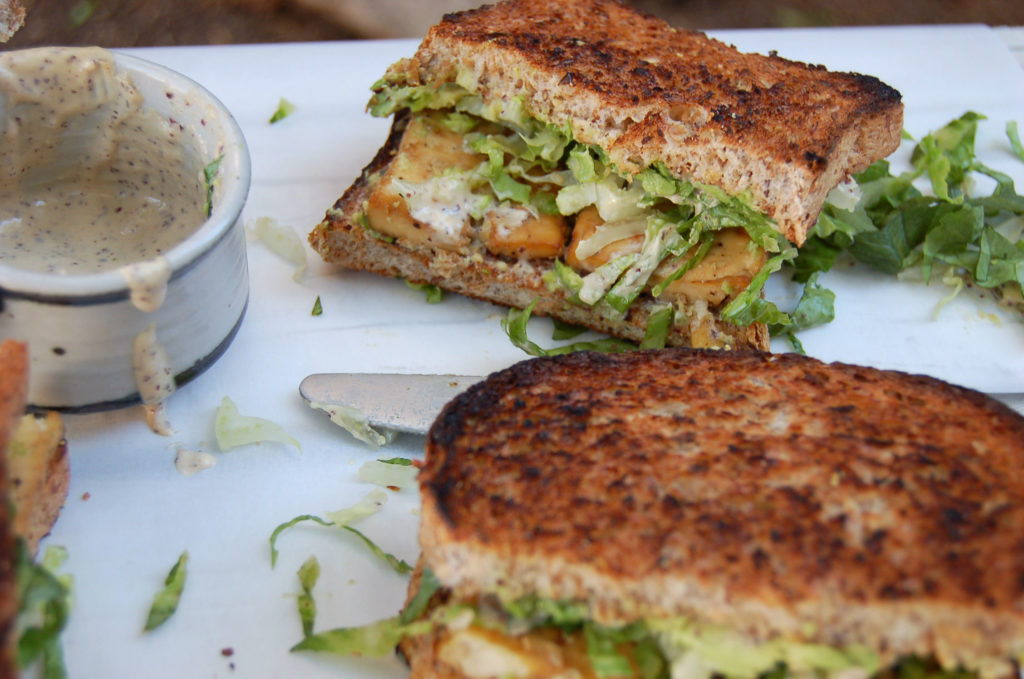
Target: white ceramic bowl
[80,328]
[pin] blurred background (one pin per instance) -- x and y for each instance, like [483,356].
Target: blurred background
[125,23]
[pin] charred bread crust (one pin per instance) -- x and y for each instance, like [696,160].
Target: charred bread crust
[775,494]
[782,131]
[341,239]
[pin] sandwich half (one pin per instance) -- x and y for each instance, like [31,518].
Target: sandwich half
[695,514]
[610,169]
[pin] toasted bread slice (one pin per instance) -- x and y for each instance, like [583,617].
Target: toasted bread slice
[342,239]
[783,132]
[776,495]
[39,475]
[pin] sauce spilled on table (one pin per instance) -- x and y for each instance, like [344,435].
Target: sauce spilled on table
[93,181]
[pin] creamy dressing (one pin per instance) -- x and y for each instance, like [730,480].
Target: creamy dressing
[505,219]
[191,462]
[89,179]
[147,282]
[445,203]
[154,378]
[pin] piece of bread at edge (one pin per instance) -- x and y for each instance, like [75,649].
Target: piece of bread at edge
[12,17]
[776,495]
[13,395]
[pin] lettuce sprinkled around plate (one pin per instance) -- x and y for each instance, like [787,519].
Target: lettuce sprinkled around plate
[369,505]
[896,226]
[309,573]
[165,603]
[44,604]
[284,109]
[380,638]
[354,421]
[514,325]
[282,241]
[234,429]
[396,473]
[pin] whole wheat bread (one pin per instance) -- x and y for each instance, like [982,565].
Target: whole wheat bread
[773,494]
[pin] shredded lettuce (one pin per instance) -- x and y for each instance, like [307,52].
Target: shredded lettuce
[341,519]
[514,325]
[370,504]
[398,565]
[289,524]
[284,109]
[388,474]
[354,422]
[659,324]
[44,604]
[816,307]
[210,181]
[233,429]
[165,603]
[308,574]
[282,241]
[896,227]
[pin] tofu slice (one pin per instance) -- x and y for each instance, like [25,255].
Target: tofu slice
[516,232]
[440,215]
[726,269]
[480,653]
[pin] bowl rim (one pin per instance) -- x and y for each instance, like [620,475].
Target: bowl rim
[111,285]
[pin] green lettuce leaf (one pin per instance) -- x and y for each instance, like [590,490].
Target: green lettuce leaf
[44,604]
[308,574]
[895,227]
[514,325]
[165,603]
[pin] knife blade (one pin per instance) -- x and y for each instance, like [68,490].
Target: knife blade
[406,403]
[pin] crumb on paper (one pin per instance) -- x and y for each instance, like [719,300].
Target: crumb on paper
[191,462]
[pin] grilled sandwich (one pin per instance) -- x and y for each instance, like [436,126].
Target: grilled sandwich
[594,161]
[695,514]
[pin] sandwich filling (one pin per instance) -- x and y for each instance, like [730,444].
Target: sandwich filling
[533,637]
[480,177]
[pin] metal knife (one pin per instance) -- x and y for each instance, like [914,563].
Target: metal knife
[407,403]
